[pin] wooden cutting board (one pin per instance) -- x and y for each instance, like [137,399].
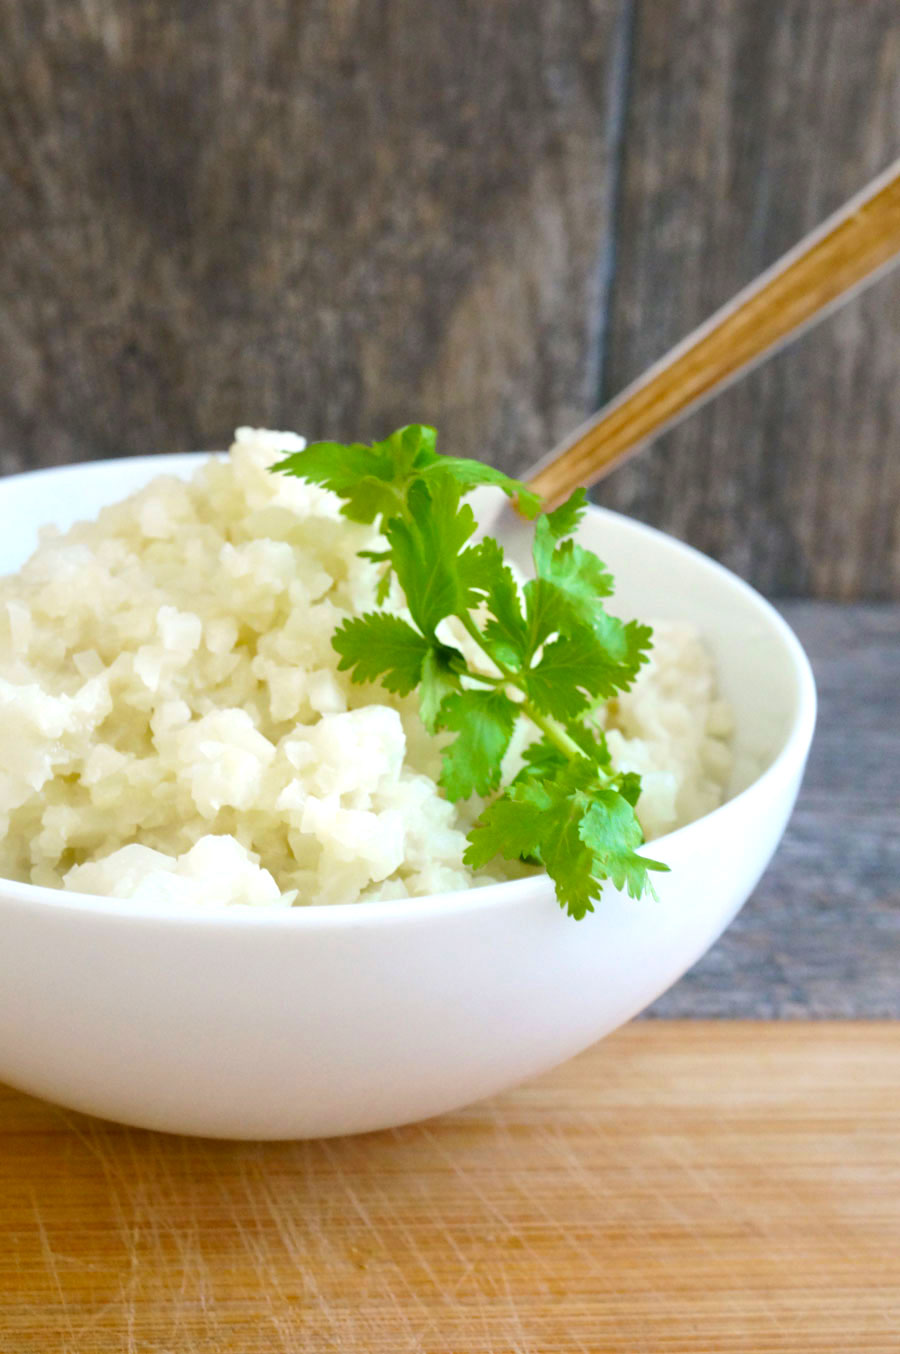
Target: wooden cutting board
[684,1187]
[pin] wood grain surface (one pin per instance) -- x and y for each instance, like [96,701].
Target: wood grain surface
[748,122]
[682,1188]
[852,249]
[821,935]
[338,217]
[330,215]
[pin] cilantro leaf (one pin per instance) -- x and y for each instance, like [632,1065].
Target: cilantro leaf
[570,580]
[548,612]
[576,574]
[595,660]
[487,578]
[383,590]
[425,544]
[510,827]
[362,476]
[567,860]
[638,643]
[592,742]
[409,448]
[483,721]
[629,783]
[540,760]
[374,479]
[543,817]
[580,575]
[583,832]
[543,758]
[564,520]
[470,474]
[378,645]
[439,680]
[611,831]
[573,672]
[551,527]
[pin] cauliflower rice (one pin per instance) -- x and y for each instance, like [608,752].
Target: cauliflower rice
[173,725]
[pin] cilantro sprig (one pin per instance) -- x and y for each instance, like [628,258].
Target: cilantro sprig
[548,653]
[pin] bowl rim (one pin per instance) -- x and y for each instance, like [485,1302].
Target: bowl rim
[509,894]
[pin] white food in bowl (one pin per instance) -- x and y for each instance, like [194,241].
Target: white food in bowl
[286,1022]
[173,723]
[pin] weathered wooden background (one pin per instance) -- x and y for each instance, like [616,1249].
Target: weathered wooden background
[338,216]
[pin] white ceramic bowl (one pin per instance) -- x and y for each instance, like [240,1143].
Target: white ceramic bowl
[324,1020]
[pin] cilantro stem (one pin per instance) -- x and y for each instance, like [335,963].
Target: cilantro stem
[550,727]
[553,731]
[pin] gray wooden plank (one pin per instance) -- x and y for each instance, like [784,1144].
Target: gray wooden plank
[821,935]
[749,121]
[330,216]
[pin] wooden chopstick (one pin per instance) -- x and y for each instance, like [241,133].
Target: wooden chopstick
[857,244]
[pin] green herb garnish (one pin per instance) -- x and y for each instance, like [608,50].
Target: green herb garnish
[549,654]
